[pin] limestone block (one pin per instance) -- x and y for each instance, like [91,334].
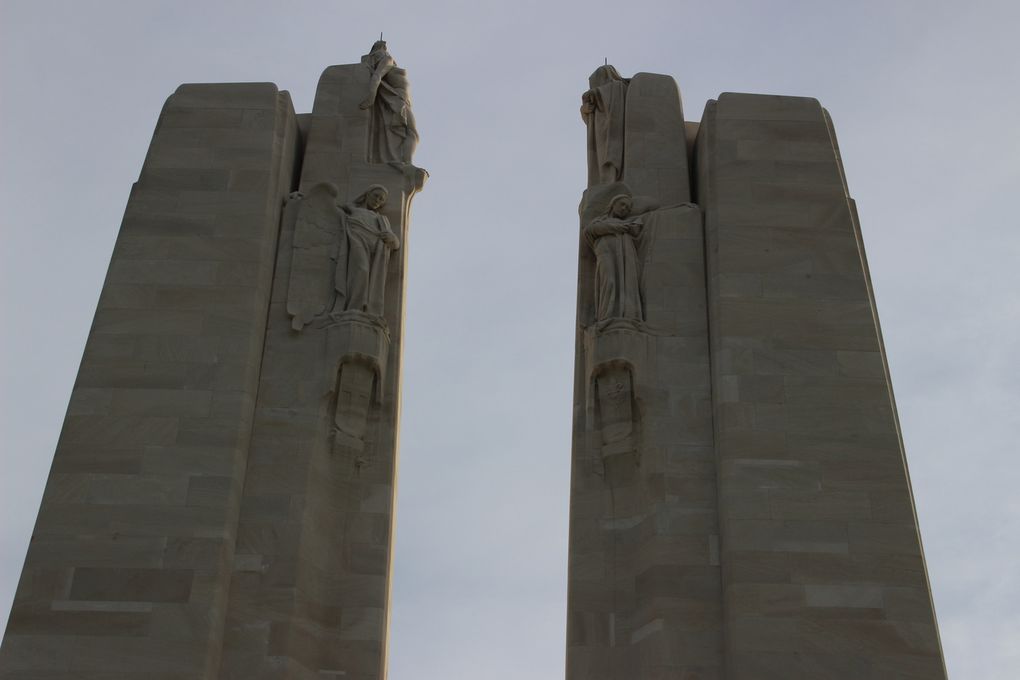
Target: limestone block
[655,140]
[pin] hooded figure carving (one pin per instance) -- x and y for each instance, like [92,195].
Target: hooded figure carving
[364,248]
[602,108]
[613,237]
[392,133]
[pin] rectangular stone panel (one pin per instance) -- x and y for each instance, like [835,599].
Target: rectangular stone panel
[819,543]
[129,565]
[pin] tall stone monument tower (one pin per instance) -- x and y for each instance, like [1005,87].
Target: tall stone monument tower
[740,503]
[220,504]
[221,499]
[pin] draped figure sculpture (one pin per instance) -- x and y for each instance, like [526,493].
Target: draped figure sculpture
[613,238]
[392,134]
[340,254]
[602,108]
[366,240]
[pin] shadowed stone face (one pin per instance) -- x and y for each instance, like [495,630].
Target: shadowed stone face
[621,207]
[375,199]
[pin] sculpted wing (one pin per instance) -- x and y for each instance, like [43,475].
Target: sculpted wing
[313,262]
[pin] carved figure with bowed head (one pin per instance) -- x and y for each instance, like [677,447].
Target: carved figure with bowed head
[612,236]
[393,136]
[602,108]
[366,240]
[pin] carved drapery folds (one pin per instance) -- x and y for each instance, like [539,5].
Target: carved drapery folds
[392,132]
[364,248]
[602,108]
[345,282]
[613,236]
[340,255]
[615,225]
[636,162]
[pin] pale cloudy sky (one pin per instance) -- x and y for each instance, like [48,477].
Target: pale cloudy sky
[924,98]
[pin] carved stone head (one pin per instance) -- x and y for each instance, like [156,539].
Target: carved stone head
[374,197]
[604,74]
[620,206]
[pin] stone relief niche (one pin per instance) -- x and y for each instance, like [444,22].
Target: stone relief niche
[615,408]
[392,136]
[356,392]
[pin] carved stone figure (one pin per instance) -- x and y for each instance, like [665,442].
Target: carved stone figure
[364,249]
[393,135]
[613,238]
[602,108]
[340,254]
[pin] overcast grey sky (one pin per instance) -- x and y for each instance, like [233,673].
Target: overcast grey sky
[925,102]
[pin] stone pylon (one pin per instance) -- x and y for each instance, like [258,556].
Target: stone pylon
[740,505]
[221,498]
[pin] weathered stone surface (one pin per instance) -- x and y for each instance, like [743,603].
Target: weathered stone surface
[644,581]
[823,574]
[221,500]
[310,592]
[760,526]
[129,565]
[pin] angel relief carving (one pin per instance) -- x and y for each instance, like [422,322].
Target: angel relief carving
[341,254]
[338,284]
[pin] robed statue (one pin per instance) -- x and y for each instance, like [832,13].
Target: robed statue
[392,132]
[340,255]
[613,237]
[602,108]
[363,253]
